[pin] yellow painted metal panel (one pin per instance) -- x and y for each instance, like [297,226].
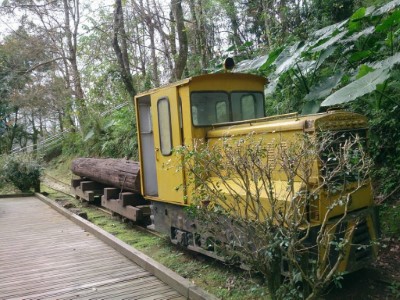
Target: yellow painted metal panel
[169,174]
[136,104]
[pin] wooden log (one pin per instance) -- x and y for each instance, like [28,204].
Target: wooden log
[119,173]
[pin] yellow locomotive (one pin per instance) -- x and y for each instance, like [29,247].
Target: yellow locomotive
[208,108]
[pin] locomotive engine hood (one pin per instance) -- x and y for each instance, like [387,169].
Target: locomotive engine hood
[334,120]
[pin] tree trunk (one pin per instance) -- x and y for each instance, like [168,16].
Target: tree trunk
[120,173]
[35,135]
[13,131]
[121,50]
[60,116]
[181,58]
[72,49]
[150,25]
[205,50]
[231,11]
[267,24]
[200,41]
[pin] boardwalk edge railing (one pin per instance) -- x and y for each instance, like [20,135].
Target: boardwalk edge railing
[175,281]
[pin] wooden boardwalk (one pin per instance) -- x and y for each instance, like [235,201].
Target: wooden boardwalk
[43,255]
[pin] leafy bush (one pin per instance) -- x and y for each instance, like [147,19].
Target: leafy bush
[52,152]
[390,219]
[112,136]
[73,144]
[22,171]
[2,178]
[252,199]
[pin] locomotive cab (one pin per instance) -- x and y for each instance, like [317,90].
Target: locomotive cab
[177,114]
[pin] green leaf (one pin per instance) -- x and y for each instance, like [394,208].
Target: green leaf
[231,48]
[387,63]
[306,67]
[355,57]
[356,36]
[358,88]
[389,22]
[245,45]
[327,53]
[364,70]
[271,58]
[288,57]
[354,23]
[324,88]
[251,64]
[89,135]
[109,124]
[327,31]
[331,41]
[386,8]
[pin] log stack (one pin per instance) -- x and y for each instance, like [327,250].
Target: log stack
[119,173]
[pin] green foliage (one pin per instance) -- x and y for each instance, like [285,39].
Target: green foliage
[354,24]
[106,136]
[395,289]
[22,171]
[72,144]
[301,70]
[358,88]
[352,64]
[383,112]
[120,138]
[52,152]
[319,91]
[389,214]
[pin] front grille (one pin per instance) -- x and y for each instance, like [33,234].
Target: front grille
[338,163]
[361,242]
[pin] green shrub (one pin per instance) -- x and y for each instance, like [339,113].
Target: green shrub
[52,152]
[22,171]
[73,144]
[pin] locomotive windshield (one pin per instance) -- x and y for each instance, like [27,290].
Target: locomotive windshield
[219,107]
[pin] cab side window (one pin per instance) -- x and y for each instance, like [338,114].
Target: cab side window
[164,124]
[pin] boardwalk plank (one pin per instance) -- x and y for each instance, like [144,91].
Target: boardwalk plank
[110,290]
[43,255]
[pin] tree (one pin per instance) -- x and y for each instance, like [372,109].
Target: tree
[71,25]
[200,47]
[16,60]
[181,57]
[121,49]
[57,24]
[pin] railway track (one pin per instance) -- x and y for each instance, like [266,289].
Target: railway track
[56,184]
[62,187]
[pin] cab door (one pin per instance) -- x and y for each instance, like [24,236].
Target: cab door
[148,173]
[167,136]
